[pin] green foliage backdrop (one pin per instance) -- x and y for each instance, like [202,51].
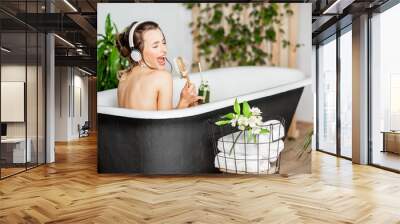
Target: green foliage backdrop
[237,43]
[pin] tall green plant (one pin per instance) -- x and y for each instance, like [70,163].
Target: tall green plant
[306,147]
[109,61]
[239,43]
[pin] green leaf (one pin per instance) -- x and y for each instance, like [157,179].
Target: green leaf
[189,5]
[223,122]
[236,107]
[108,25]
[246,109]
[270,34]
[113,62]
[115,27]
[286,5]
[219,34]
[217,17]
[100,52]
[285,43]
[101,36]
[264,131]
[308,140]
[238,7]
[229,116]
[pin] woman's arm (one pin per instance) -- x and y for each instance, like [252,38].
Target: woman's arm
[189,97]
[164,96]
[164,99]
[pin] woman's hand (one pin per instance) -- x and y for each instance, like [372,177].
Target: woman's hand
[188,96]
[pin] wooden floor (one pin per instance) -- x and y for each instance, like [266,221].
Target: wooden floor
[71,191]
[386,159]
[5,172]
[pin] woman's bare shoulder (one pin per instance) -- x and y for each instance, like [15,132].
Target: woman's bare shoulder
[161,73]
[161,76]
[122,74]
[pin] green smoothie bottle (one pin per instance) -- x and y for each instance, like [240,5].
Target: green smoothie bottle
[204,91]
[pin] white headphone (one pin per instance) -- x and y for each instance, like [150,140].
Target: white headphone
[135,53]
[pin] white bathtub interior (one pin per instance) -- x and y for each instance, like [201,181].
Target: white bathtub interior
[225,83]
[245,83]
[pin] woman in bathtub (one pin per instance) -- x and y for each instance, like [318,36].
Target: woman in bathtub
[146,85]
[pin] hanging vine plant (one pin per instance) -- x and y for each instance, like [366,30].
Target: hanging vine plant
[225,40]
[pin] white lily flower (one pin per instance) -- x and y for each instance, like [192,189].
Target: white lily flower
[259,121]
[233,122]
[253,121]
[243,121]
[255,111]
[241,127]
[256,130]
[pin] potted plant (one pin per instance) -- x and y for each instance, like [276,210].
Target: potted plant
[109,61]
[298,155]
[248,120]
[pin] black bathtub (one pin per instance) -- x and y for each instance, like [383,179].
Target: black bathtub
[178,141]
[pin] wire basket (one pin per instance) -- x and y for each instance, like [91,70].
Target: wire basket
[235,152]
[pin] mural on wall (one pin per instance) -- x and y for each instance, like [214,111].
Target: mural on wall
[233,51]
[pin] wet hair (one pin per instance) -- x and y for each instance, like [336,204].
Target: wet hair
[122,41]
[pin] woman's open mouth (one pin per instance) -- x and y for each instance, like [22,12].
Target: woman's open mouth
[161,60]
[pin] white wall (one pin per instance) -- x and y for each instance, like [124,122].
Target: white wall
[33,126]
[173,19]
[80,84]
[14,72]
[66,101]
[305,109]
[61,103]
